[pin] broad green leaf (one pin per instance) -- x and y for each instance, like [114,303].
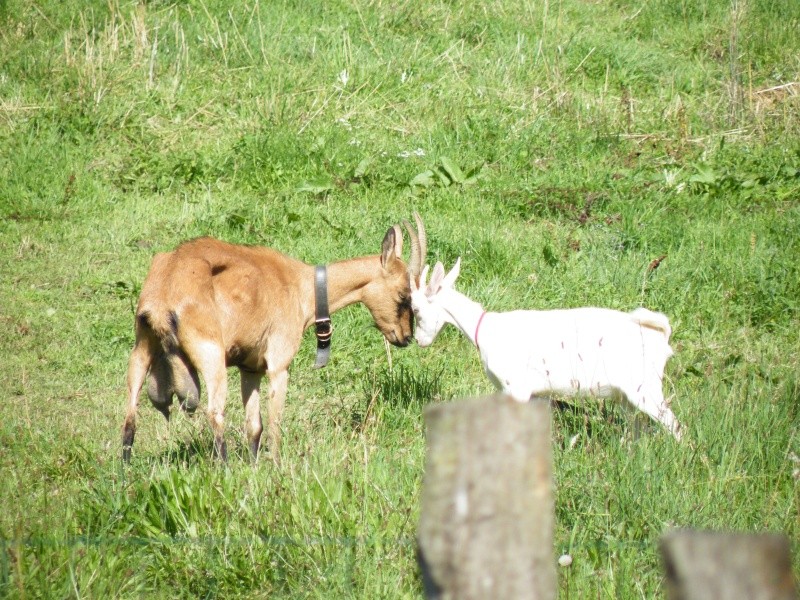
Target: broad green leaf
[362,167]
[444,178]
[453,171]
[316,186]
[475,174]
[425,179]
[705,174]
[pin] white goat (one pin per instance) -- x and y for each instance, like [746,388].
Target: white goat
[589,351]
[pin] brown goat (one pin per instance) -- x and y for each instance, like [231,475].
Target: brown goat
[209,305]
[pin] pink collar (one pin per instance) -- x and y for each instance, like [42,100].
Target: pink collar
[477,327]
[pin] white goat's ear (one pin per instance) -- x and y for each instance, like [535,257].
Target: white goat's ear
[450,278]
[436,279]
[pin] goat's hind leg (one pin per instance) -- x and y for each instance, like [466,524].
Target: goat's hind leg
[211,364]
[207,354]
[138,365]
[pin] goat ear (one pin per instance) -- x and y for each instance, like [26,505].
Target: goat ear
[392,245]
[436,279]
[450,278]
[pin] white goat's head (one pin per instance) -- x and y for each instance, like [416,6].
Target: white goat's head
[427,302]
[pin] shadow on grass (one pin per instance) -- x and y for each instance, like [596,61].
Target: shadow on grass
[394,391]
[187,451]
[598,421]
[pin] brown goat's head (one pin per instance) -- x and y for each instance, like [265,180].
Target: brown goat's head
[389,297]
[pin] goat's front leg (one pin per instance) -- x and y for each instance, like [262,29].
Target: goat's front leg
[252,410]
[278,381]
[282,348]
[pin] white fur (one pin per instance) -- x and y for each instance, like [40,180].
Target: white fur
[579,351]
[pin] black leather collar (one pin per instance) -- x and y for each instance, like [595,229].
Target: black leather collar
[322,317]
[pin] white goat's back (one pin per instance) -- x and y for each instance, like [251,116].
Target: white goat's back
[652,320]
[580,351]
[572,351]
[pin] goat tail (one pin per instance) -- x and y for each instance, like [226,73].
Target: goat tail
[652,320]
[162,325]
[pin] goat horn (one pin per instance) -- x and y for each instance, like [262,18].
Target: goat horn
[413,262]
[423,240]
[418,242]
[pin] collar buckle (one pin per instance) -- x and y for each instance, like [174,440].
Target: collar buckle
[322,317]
[324,331]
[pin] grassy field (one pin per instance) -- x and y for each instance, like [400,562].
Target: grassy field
[558,147]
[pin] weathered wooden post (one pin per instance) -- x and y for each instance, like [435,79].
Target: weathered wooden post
[486,520]
[705,565]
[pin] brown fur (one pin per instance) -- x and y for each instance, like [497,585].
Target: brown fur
[209,305]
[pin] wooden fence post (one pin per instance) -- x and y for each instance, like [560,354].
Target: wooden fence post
[705,565]
[487,515]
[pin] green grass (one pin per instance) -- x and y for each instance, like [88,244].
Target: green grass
[557,147]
